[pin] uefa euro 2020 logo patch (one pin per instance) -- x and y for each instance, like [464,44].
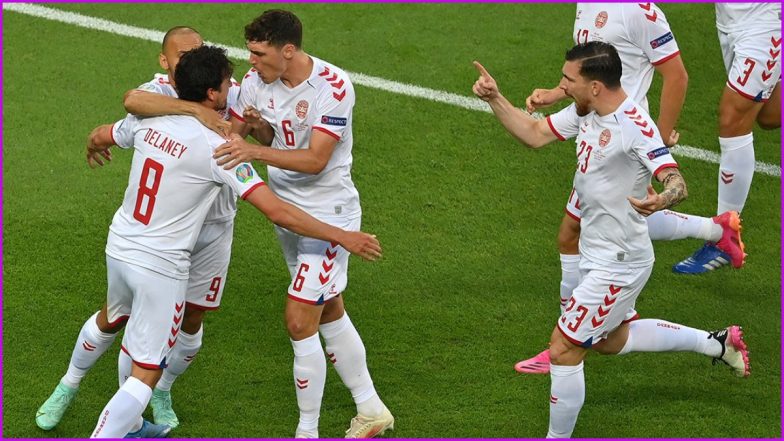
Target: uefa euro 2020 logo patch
[244,173]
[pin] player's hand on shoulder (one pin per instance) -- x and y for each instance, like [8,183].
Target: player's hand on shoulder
[235,151]
[214,121]
[485,87]
[362,244]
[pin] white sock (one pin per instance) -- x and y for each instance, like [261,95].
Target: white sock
[124,365]
[346,351]
[567,394]
[654,335]
[180,357]
[90,345]
[570,277]
[310,375]
[671,225]
[736,169]
[123,413]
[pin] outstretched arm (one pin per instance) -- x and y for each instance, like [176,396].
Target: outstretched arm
[674,192]
[292,218]
[311,160]
[143,103]
[531,132]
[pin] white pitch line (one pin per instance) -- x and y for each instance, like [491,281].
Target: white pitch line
[462,101]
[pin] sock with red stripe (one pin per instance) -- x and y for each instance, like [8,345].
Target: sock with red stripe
[180,357]
[90,345]
[347,353]
[736,169]
[310,375]
[654,335]
[671,225]
[567,394]
[570,277]
[123,413]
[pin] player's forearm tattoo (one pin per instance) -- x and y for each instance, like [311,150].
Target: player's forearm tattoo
[674,187]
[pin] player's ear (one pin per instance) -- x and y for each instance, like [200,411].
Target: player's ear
[163,61]
[288,51]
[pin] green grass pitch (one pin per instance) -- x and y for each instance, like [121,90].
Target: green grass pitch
[467,217]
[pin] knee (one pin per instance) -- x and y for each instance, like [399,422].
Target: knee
[193,319]
[299,328]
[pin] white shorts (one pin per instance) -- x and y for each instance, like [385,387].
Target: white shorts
[752,59]
[209,265]
[601,302]
[319,269]
[573,206]
[155,304]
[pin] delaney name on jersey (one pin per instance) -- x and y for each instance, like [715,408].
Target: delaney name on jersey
[164,143]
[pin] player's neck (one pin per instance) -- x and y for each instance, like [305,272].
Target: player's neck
[610,102]
[300,68]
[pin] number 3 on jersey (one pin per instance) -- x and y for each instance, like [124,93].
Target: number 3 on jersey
[145,197]
[583,165]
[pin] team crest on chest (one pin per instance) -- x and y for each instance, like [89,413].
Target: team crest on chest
[601,20]
[302,109]
[604,138]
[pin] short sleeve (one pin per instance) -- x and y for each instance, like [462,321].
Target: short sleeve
[243,178]
[151,86]
[123,131]
[649,27]
[334,108]
[564,124]
[652,152]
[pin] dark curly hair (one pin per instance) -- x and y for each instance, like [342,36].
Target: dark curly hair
[277,27]
[200,70]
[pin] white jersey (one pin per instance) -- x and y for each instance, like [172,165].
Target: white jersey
[323,102]
[616,156]
[173,183]
[225,206]
[735,17]
[638,31]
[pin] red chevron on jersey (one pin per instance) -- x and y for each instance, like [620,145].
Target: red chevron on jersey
[646,6]
[631,112]
[325,72]
[339,96]
[775,42]
[337,85]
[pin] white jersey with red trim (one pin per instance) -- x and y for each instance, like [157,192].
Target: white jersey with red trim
[616,156]
[737,17]
[638,31]
[251,83]
[225,206]
[324,102]
[173,183]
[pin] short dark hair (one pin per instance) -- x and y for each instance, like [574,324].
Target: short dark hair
[200,70]
[176,31]
[599,62]
[277,27]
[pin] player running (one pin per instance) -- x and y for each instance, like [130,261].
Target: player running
[619,150]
